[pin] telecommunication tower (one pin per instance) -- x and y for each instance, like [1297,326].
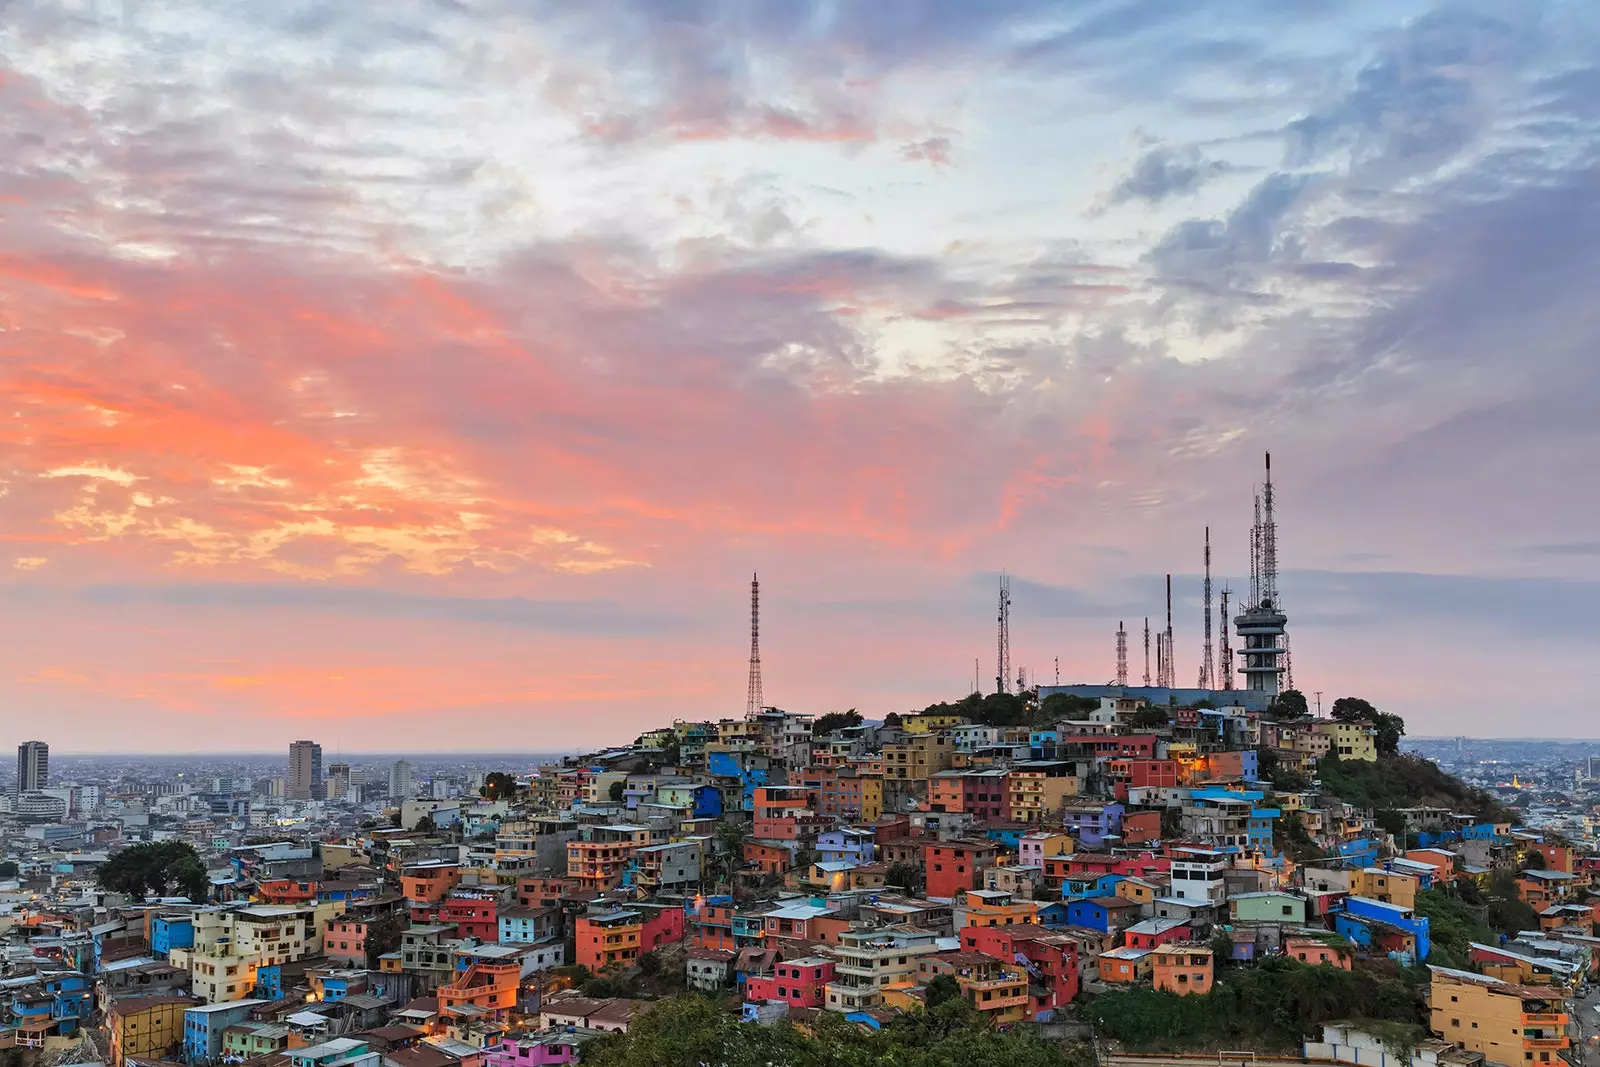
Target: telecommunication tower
[1207,680]
[1122,654]
[1225,657]
[1147,652]
[753,699]
[1002,679]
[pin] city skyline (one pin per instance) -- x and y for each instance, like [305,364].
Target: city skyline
[484,410]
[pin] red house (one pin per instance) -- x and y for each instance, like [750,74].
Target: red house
[473,912]
[952,867]
[800,982]
[663,925]
[1150,933]
[1140,827]
[1052,962]
[1153,772]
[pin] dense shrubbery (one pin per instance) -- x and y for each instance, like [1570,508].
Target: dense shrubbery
[693,1030]
[1403,781]
[1275,1005]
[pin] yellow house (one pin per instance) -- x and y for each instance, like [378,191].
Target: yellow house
[995,989]
[1350,740]
[993,907]
[916,758]
[1507,1023]
[1140,890]
[145,1026]
[1376,883]
[931,724]
[1032,796]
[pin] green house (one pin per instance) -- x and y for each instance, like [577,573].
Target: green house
[1267,907]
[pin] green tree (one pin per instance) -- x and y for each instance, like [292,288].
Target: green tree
[426,826]
[1353,709]
[1388,730]
[617,791]
[1289,704]
[1532,860]
[9,869]
[157,869]
[1151,716]
[940,988]
[499,786]
[892,721]
[834,720]
[1058,706]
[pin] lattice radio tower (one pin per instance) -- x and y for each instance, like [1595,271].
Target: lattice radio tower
[1168,675]
[1122,654]
[1269,547]
[1225,659]
[1207,678]
[1147,652]
[753,699]
[1002,680]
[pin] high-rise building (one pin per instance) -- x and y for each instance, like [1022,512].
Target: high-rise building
[33,766]
[400,784]
[305,771]
[338,783]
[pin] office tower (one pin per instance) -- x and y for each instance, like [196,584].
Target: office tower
[400,784]
[33,766]
[305,771]
[338,783]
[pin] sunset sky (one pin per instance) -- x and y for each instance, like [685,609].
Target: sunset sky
[433,374]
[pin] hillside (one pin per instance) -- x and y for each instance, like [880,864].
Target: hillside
[1405,781]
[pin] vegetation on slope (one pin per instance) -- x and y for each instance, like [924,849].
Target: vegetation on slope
[689,1030]
[1274,1005]
[1404,781]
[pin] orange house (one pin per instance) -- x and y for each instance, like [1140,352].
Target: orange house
[286,891]
[1315,952]
[1181,968]
[1124,966]
[610,938]
[427,883]
[769,859]
[482,987]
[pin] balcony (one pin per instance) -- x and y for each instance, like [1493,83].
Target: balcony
[1545,1042]
[1545,1018]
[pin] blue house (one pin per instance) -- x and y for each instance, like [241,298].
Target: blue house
[732,765]
[1388,928]
[1008,836]
[749,931]
[203,1026]
[168,932]
[269,981]
[62,998]
[1259,827]
[1363,852]
[1091,822]
[1100,913]
[848,845]
[1053,914]
[707,802]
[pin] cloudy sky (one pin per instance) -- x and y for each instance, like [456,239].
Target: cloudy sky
[434,374]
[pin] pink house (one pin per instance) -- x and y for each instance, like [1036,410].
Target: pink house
[800,982]
[346,939]
[547,1049]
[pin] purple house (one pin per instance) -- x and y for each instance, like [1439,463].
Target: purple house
[1092,822]
[544,1048]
